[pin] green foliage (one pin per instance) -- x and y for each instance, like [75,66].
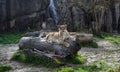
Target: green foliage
[79,68]
[78,59]
[89,44]
[10,38]
[110,37]
[113,39]
[35,60]
[115,68]
[96,67]
[19,57]
[102,65]
[4,68]
[66,69]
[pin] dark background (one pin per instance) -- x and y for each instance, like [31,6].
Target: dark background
[22,15]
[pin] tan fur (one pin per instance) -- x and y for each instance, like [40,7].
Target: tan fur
[59,37]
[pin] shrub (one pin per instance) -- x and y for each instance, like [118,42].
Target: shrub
[4,68]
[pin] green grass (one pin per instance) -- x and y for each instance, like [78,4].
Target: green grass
[89,44]
[110,37]
[77,64]
[65,69]
[90,68]
[96,67]
[4,68]
[78,59]
[116,68]
[36,60]
[13,38]
[102,65]
[10,38]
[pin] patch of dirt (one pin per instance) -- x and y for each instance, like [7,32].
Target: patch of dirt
[107,51]
[6,52]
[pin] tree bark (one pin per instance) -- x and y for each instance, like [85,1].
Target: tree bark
[82,37]
[33,45]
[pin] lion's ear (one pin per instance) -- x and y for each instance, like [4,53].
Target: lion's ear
[58,26]
[66,25]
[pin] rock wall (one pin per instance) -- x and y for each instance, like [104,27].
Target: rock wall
[28,14]
[76,13]
[19,15]
[115,9]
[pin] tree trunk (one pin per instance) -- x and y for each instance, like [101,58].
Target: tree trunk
[82,37]
[33,45]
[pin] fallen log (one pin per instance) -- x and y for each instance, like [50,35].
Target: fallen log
[82,37]
[34,45]
[31,44]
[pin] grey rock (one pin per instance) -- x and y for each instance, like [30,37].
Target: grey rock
[21,14]
[77,14]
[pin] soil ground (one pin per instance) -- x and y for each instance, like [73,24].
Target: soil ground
[107,51]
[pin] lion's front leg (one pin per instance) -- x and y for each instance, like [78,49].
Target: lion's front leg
[66,44]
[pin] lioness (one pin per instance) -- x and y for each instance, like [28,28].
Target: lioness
[59,37]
